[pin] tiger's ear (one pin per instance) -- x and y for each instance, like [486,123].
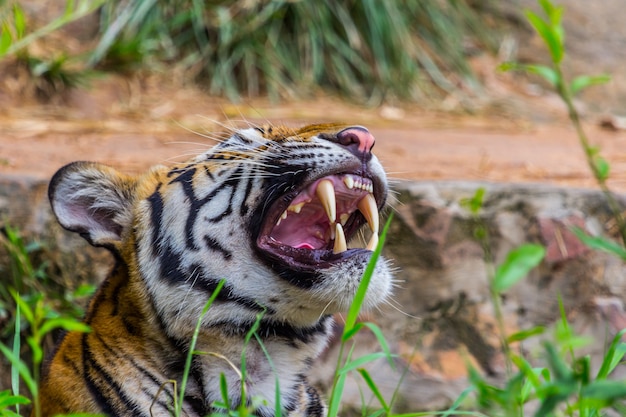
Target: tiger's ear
[93,200]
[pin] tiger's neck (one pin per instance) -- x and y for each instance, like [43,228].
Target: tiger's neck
[124,316]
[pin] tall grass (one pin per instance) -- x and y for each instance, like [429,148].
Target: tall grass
[364,49]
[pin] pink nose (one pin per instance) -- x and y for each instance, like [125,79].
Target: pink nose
[357,137]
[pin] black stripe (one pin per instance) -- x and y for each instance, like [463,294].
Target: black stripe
[243,208]
[96,385]
[269,329]
[213,244]
[156,217]
[227,294]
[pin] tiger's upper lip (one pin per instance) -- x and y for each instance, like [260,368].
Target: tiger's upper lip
[310,228]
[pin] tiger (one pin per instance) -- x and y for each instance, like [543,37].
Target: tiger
[266,212]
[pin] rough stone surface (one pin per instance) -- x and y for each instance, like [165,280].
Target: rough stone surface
[440,317]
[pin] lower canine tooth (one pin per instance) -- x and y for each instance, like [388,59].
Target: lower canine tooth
[368,208]
[371,245]
[340,240]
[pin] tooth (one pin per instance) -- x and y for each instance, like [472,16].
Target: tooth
[349,181]
[326,193]
[340,240]
[344,218]
[296,208]
[368,208]
[281,218]
[371,245]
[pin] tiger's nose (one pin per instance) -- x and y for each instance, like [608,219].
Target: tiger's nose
[358,140]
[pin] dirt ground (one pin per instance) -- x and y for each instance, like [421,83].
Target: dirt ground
[132,124]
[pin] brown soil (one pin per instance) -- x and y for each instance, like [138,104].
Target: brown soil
[132,124]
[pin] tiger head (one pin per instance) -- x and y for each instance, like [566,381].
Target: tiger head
[269,210]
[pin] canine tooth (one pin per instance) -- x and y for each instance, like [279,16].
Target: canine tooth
[368,208]
[326,193]
[349,181]
[371,245]
[344,218]
[340,240]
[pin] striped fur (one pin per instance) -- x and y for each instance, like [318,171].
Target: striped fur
[175,233]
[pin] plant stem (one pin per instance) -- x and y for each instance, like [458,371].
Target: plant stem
[614,206]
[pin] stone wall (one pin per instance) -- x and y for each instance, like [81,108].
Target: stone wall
[441,315]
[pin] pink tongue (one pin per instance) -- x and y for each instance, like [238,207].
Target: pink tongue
[305,246]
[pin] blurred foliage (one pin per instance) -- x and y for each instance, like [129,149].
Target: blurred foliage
[364,49]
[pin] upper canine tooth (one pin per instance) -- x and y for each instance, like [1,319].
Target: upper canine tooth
[326,193]
[368,208]
[340,240]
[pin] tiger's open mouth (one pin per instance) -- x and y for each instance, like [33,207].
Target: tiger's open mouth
[311,230]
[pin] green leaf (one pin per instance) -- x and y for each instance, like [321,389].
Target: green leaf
[65,323]
[602,167]
[604,390]
[19,21]
[613,355]
[372,385]
[355,306]
[552,36]
[475,203]
[223,389]
[600,243]
[8,400]
[525,334]
[581,82]
[517,265]
[559,368]
[357,363]
[333,406]
[5,40]
[548,73]
[382,341]
[22,368]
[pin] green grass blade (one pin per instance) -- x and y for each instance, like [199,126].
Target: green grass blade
[613,356]
[192,347]
[17,348]
[357,363]
[382,342]
[372,385]
[355,307]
